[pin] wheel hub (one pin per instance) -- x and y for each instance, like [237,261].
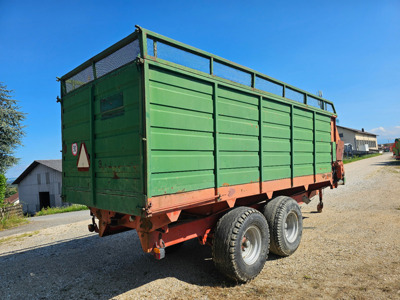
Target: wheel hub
[291,227]
[251,245]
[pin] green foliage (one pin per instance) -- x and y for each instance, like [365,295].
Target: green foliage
[3,185]
[11,129]
[8,222]
[10,190]
[59,210]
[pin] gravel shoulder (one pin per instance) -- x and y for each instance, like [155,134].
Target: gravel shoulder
[350,251]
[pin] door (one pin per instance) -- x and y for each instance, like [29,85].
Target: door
[44,198]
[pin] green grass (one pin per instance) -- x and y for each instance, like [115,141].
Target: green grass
[18,237]
[60,210]
[13,221]
[356,157]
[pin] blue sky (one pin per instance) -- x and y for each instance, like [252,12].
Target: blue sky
[348,49]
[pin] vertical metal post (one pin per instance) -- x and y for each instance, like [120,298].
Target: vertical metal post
[284,91]
[216,139]
[261,139]
[146,129]
[94,70]
[144,122]
[291,144]
[155,47]
[92,147]
[143,42]
[315,146]
[211,65]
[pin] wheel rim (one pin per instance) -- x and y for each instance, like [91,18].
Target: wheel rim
[251,245]
[291,227]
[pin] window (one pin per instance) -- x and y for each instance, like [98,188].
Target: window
[39,182]
[341,134]
[47,178]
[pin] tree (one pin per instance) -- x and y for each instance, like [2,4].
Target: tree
[3,184]
[11,129]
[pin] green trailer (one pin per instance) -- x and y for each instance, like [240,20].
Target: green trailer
[179,143]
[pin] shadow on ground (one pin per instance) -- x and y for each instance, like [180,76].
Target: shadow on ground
[101,268]
[389,163]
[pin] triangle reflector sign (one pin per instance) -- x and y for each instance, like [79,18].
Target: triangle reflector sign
[83,163]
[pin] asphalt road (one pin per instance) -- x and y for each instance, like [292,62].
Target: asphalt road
[42,222]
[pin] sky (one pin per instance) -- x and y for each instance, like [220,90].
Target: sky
[349,50]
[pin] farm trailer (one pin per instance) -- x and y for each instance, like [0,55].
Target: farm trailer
[178,144]
[396,148]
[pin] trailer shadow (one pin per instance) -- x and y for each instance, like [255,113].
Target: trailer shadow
[100,268]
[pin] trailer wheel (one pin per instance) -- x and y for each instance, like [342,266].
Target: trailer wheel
[285,223]
[240,244]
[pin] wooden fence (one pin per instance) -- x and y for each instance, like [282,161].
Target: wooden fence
[15,210]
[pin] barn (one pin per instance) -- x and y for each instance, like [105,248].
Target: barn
[39,186]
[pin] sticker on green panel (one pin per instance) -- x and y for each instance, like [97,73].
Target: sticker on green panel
[112,106]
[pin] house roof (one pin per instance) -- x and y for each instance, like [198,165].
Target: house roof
[12,198]
[54,164]
[356,130]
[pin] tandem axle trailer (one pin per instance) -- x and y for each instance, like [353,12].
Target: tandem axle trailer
[178,143]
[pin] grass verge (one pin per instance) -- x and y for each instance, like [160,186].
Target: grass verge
[60,210]
[356,157]
[13,221]
[18,237]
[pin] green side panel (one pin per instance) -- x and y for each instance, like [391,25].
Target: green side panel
[181,126]
[238,122]
[178,182]
[230,143]
[276,140]
[105,116]
[323,144]
[277,172]
[239,176]
[303,137]
[184,132]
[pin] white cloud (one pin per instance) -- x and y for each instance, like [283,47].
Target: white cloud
[379,129]
[387,134]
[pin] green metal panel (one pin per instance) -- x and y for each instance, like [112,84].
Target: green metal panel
[181,126]
[105,116]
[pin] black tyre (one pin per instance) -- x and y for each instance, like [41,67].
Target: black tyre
[241,243]
[285,222]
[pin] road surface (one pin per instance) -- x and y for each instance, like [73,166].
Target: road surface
[37,223]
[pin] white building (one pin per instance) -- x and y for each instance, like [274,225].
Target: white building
[358,138]
[39,186]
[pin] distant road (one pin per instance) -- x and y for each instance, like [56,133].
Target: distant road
[37,223]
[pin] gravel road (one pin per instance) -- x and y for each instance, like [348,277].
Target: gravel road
[350,251]
[37,223]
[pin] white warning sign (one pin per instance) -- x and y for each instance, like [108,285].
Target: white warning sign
[74,149]
[83,163]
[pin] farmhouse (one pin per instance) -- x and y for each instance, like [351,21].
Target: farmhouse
[39,186]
